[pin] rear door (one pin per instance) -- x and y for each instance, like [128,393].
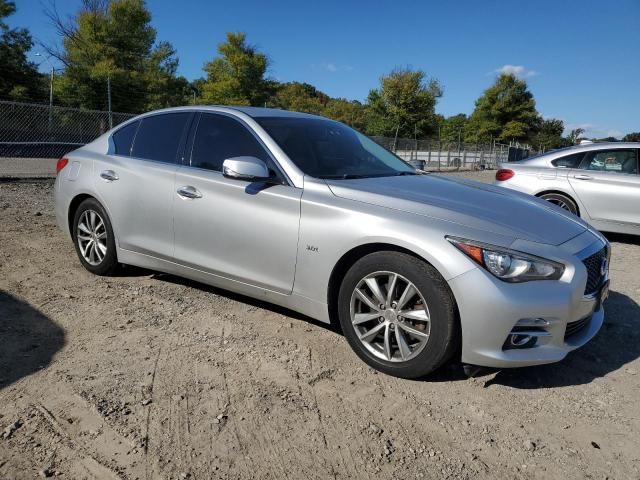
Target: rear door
[236,229]
[608,185]
[136,182]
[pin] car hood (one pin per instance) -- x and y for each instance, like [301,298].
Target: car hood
[474,204]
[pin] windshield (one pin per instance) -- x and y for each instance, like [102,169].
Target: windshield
[327,149]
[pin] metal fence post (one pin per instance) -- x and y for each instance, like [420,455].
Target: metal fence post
[109,101]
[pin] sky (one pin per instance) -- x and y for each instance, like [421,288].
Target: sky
[581,59]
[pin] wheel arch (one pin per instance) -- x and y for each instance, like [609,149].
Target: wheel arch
[73,207]
[353,255]
[563,193]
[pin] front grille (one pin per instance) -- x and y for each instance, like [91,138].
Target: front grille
[594,266]
[575,327]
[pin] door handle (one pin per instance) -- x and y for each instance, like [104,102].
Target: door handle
[583,177]
[189,192]
[109,175]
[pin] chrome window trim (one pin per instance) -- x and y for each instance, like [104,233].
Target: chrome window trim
[188,155]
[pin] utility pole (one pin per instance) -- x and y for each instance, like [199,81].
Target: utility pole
[395,140]
[109,101]
[51,101]
[38,54]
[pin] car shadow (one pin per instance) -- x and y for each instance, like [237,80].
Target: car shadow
[28,339]
[617,344]
[165,277]
[623,238]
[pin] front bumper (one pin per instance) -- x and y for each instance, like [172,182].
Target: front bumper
[490,309]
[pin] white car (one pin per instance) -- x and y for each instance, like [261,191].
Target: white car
[598,182]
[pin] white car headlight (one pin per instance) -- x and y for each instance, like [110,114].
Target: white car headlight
[508,265]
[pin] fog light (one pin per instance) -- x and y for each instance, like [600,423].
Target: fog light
[526,332]
[518,340]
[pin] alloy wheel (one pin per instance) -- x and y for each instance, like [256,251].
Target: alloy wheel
[92,237]
[390,316]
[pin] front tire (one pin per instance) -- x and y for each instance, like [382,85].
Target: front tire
[398,314]
[93,238]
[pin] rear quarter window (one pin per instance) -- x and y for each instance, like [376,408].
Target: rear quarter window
[159,137]
[123,138]
[568,161]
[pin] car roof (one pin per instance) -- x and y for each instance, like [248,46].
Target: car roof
[544,159]
[254,112]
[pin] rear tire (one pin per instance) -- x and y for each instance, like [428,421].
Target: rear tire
[398,314]
[93,238]
[562,201]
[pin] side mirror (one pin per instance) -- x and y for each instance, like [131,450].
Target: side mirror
[250,169]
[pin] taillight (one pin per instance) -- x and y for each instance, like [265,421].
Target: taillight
[61,164]
[504,174]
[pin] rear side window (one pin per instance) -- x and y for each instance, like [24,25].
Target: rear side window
[123,138]
[568,161]
[159,137]
[219,137]
[621,161]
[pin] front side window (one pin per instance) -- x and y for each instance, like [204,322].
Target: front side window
[620,161]
[123,138]
[219,137]
[159,136]
[327,149]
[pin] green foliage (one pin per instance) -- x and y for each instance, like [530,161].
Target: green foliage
[575,136]
[302,97]
[506,111]
[299,97]
[404,103]
[115,41]
[237,76]
[353,113]
[452,129]
[631,137]
[20,79]
[549,135]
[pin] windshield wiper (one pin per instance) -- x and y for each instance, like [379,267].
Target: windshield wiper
[346,176]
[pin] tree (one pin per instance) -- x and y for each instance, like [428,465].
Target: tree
[353,113]
[237,76]
[452,129]
[20,79]
[299,97]
[404,104]
[549,135]
[506,111]
[575,136]
[113,42]
[631,137]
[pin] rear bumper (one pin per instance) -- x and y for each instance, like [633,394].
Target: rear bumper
[61,202]
[490,309]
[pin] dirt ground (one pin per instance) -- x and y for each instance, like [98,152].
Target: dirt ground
[149,376]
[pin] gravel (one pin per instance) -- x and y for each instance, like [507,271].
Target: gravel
[147,375]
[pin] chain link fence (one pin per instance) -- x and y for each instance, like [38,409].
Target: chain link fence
[30,132]
[40,131]
[434,155]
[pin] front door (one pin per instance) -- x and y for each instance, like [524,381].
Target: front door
[243,231]
[608,185]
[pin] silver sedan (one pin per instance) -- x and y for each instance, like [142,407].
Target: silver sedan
[306,213]
[598,182]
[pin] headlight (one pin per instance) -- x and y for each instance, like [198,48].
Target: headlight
[508,265]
